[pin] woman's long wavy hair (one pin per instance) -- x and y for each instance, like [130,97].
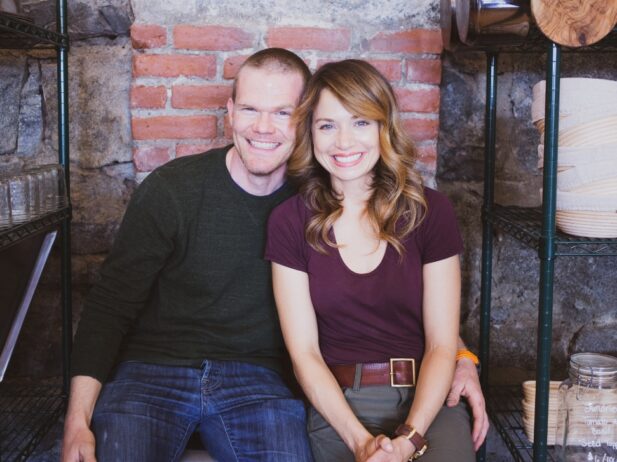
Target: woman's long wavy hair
[396,204]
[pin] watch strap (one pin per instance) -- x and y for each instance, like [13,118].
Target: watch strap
[410,433]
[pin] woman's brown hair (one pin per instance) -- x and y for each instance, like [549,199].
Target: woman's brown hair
[397,204]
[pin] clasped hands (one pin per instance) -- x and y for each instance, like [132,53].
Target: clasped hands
[381,448]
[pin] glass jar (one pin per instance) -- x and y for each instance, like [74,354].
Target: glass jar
[587,418]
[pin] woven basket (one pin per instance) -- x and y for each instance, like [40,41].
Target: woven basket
[595,133]
[587,202]
[576,95]
[589,177]
[567,122]
[587,224]
[551,430]
[569,156]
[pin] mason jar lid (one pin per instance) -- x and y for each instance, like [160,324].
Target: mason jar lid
[594,364]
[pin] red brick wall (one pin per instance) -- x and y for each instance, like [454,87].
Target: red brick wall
[182,78]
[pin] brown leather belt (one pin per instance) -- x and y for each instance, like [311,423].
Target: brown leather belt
[398,372]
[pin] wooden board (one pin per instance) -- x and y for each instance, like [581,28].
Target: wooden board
[575,23]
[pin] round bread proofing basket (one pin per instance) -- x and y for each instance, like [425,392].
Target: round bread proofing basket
[595,133]
[573,156]
[598,178]
[587,224]
[576,96]
[587,215]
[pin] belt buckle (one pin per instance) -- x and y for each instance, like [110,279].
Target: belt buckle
[413,372]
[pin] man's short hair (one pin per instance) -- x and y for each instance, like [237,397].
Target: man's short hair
[276,60]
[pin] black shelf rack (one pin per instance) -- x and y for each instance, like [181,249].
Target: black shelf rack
[19,33]
[536,228]
[28,409]
[505,410]
[525,224]
[14,234]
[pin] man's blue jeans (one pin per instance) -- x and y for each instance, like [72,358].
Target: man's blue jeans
[243,412]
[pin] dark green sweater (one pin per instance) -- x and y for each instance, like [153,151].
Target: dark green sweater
[186,279]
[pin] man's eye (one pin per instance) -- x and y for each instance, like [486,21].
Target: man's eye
[283,113]
[248,109]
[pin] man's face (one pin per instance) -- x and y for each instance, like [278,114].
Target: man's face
[260,118]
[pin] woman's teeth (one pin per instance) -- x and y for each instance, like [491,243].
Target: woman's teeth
[347,159]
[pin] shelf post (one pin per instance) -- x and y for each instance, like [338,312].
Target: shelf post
[490,121]
[547,252]
[63,158]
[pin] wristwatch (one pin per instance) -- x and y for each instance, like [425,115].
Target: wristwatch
[416,439]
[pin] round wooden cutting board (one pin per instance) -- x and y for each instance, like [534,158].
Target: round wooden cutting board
[575,23]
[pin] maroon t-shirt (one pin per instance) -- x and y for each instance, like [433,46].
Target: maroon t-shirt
[366,317]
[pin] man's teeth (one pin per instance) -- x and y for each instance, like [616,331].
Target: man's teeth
[263,144]
[347,159]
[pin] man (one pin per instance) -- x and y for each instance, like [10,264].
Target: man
[182,327]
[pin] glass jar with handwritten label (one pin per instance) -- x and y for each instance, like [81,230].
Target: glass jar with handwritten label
[587,420]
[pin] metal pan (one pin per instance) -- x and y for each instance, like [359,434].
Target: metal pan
[493,22]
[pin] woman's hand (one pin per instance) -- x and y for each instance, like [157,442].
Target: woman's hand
[386,450]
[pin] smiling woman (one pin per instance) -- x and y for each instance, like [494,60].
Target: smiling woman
[366,277]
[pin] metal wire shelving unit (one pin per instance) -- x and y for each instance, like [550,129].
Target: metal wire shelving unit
[28,413]
[536,228]
[28,409]
[505,410]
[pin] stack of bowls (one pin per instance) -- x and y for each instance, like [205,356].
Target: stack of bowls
[529,409]
[587,156]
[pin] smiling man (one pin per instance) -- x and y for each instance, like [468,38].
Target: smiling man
[181,332]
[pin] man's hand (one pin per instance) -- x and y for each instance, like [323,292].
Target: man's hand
[78,444]
[467,384]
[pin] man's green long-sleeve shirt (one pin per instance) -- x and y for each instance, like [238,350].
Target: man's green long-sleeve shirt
[186,279]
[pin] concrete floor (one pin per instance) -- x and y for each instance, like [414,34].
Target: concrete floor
[48,449]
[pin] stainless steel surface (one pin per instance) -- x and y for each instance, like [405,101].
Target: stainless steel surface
[493,22]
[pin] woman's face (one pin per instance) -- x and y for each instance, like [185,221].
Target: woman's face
[346,145]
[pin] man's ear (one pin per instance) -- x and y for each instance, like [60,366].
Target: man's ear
[230,110]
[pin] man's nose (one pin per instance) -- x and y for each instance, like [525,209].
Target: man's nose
[264,123]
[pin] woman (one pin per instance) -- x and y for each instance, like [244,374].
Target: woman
[366,278]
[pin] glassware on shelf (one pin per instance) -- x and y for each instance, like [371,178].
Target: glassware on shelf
[5,207]
[53,188]
[587,421]
[31,193]
[19,198]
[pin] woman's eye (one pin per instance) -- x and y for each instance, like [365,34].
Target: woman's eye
[325,126]
[362,123]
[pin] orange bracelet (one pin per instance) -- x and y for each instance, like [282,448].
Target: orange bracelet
[465,353]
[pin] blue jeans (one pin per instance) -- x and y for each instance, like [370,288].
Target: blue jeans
[243,412]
